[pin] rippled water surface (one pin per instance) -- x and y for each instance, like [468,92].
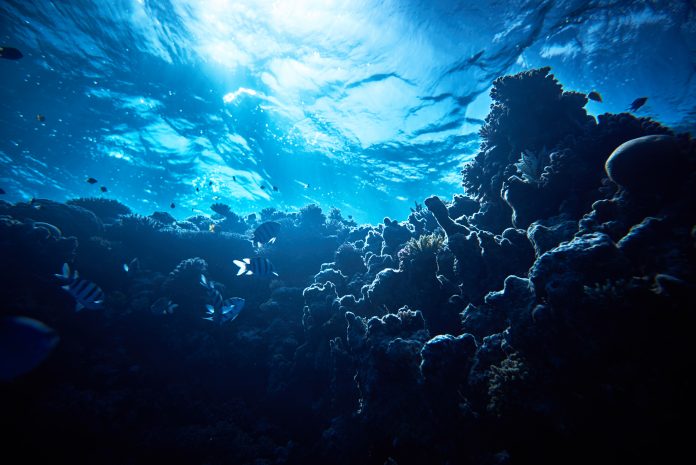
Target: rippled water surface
[363,105]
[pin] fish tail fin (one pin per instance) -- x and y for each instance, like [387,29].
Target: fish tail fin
[272,241]
[242,267]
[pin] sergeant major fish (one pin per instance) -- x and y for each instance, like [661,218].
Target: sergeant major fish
[257,266]
[86,293]
[266,233]
[220,311]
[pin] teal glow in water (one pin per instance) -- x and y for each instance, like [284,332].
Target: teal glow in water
[363,105]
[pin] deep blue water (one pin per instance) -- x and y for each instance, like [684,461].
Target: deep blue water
[363,105]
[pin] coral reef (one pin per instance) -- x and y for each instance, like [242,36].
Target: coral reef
[542,317]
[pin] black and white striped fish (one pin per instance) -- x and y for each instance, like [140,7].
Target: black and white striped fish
[86,293]
[220,311]
[266,233]
[257,266]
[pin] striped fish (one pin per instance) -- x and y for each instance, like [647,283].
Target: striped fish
[257,266]
[266,233]
[86,293]
[220,311]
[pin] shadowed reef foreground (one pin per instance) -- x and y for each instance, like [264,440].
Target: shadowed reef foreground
[544,317]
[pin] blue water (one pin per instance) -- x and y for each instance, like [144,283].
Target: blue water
[367,106]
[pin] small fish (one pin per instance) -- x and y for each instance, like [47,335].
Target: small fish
[40,118]
[163,306]
[214,296]
[234,178]
[172,205]
[637,103]
[24,344]
[275,188]
[2,191]
[10,53]
[211,228]
[133,266]
[263,187]
[257,266]
[103,189]
[266,233]
[86,293]
[594,95]
[229,310]
[197,189]
[210,183]
[91,180]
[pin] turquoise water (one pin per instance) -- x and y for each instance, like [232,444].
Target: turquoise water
[368,106]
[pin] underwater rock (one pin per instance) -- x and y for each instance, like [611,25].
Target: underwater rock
[163,217]
[547,234]
[72,220]
[559,275]
[108,210]
[349,260]
[648,164]
[439,210]
[394,235]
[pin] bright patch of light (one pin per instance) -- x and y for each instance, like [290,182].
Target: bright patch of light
[230,97]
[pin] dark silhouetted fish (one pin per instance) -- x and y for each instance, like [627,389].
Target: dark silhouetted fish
[10,53]
[275,188]
[40,118]
[172,205]
[24,344]
[257,266]
[133,266]
[594,95]
[266,233]
[637,103]
[92,180]
[103,188]
[86,293]
[219,310]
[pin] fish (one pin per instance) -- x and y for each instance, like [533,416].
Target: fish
[86,293]
[103,188]
[24,344]
[10,53]
[637,103]
[234,178]
[594,95]
[163,306]
[229,310]
[257,266]
[263,187]
[266,233]
[133,266]
[172,205]
[197,189]
[210,183]
[275,188]
[91,180]
[211,228]
[40,118]
[220,311]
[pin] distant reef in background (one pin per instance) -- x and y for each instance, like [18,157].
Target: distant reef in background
[544,316]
